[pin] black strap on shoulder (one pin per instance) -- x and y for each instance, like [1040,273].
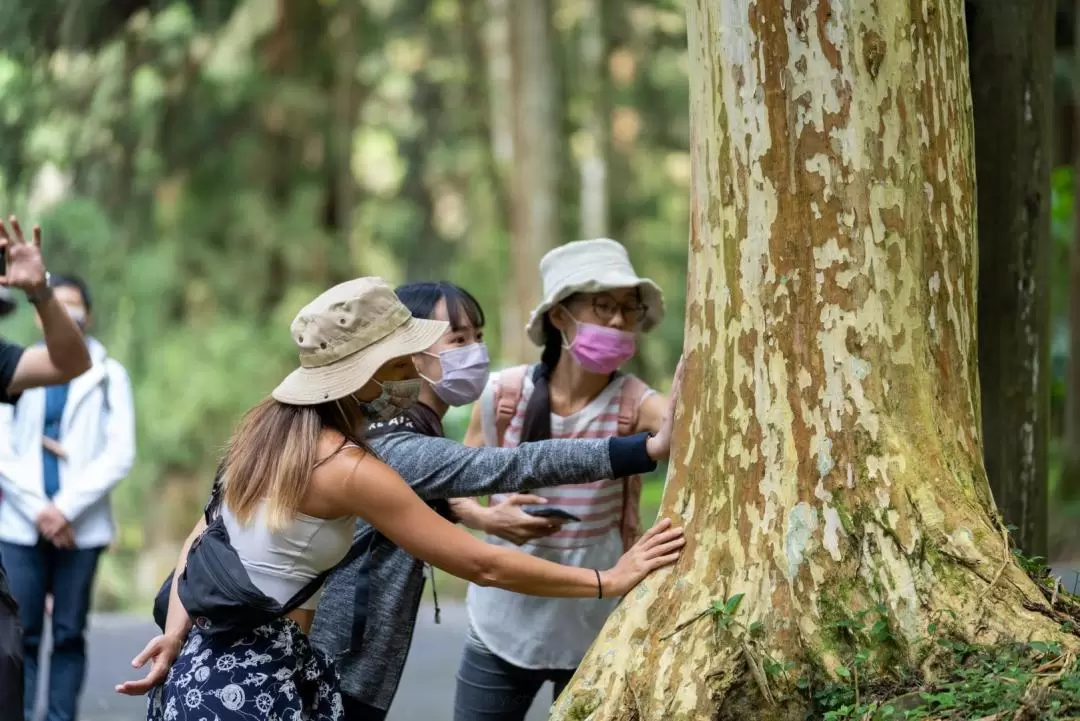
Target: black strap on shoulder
[358,548]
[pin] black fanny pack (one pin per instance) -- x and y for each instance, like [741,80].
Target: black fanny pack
[218,594]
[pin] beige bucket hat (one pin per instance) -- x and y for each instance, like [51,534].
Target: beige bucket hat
[345,335]
[591,266]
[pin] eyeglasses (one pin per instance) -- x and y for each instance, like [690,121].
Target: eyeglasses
[605,307]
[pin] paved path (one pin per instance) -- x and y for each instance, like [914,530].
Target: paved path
[1070,578]
[426,693]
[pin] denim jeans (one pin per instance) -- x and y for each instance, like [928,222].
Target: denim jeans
[490,689]
[68,574]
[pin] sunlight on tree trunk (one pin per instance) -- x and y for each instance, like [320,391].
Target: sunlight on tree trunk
[51,186]
[343,31]
[535,201]
[593,156]
[500,84]
[1011,72]
[828,457]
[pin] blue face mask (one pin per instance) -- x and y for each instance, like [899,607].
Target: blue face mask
[396,397]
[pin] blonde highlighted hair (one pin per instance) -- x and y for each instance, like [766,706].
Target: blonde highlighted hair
[275,449]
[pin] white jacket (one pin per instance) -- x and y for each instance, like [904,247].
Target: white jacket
[98,434]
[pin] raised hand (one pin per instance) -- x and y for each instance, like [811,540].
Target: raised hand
[25,268]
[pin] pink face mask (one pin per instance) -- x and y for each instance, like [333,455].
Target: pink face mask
[600,349]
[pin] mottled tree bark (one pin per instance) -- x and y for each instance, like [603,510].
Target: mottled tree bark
[1012,54]
[535,201]
[828,458]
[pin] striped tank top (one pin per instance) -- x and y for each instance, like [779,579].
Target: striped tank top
[554,633]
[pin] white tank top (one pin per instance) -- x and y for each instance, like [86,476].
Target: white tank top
[280,563]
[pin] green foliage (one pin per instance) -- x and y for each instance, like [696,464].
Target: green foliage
[723,612]
[1028,680]
[978,682]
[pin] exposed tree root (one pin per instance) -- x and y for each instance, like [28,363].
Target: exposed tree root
[1029,679]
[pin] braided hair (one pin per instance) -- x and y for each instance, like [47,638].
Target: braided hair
[536,423]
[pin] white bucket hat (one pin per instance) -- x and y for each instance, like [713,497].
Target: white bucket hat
[345,335]
[591,266]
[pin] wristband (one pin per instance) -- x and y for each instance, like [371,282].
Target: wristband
[630,455]
[43,294]
[599,586]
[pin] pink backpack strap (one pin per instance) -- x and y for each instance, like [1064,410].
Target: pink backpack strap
[633,393]
[507,394]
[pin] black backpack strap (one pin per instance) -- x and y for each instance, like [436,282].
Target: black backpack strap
[362,590]
[210,512]
[359,547]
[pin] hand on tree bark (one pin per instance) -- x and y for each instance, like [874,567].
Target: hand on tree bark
[659,547]
[659,446]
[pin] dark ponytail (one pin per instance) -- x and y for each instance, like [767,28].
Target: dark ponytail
[536,424]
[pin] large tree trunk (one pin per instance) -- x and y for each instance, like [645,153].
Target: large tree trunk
[1012,60]
[500,69]
[1070,481]
[535,216]
[343,33]
[593,160]
[828,458]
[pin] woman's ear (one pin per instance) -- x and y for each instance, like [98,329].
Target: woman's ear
[560,318]
[424,365]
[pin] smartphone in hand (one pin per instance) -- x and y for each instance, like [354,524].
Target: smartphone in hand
[548,512]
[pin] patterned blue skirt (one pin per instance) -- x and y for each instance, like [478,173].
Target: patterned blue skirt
[273,673]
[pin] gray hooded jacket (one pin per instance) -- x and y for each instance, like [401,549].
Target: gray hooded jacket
[440,468]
